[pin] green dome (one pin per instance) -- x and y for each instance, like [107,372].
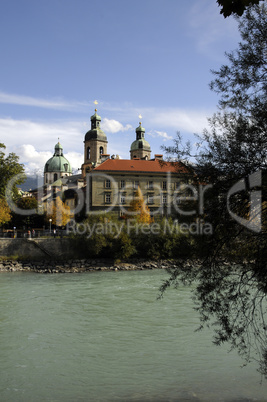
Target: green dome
[140,144]
[58,163]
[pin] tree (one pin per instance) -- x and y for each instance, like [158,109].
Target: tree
[231,280]
[236,7]
[5,213]
[9,167]
[33,220]
[59,212]
[138,208]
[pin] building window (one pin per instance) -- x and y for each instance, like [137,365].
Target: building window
[150,185]
[177,185]
[88,153]
[164,198]
[150,199]
[107,183]
[101,151]
[122,183]
[136,184]
[164,185]
[108,198]
[123,198]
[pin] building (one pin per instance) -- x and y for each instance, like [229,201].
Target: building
[114,183]
[110,183]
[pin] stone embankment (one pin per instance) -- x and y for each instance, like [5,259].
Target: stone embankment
[77,266]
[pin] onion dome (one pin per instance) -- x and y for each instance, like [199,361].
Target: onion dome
[140,142]
[95,133]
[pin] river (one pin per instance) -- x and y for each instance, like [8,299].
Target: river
[104,336]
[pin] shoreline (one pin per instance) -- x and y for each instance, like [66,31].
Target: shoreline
[83,265]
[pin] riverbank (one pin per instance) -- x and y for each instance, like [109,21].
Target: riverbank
[77,266]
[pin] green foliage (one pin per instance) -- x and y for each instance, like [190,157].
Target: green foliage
[9,167]
[237,7]
[111,238]
[30,221]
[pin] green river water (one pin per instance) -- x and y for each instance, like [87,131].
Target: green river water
[105,337]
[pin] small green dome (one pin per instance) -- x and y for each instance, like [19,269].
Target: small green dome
[58,146]
[58,163]
[95,116]
[140,128]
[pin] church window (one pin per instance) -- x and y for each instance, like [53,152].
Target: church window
[46,178]
[66,167]
[55,176]
[88,153]
[140,145]
[101,150]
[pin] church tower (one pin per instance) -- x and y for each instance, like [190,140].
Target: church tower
[140,148]
[95,145]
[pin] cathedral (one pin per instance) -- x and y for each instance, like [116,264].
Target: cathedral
[110,183]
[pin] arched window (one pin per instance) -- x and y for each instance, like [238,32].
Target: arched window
[101,150]
[88,153]
[55,176]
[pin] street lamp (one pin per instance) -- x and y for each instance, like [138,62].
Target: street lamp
[50,221]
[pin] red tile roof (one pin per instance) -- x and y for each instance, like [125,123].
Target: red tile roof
[143,166]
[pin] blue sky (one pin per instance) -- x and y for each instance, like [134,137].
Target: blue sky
[148,57]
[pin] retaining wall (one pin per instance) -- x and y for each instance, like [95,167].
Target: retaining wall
[37,248]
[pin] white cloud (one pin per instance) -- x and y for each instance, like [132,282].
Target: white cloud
[177,119]
[56,103]
[34,161]
[75,159]
[114,126]
[160,134]
[44,135]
